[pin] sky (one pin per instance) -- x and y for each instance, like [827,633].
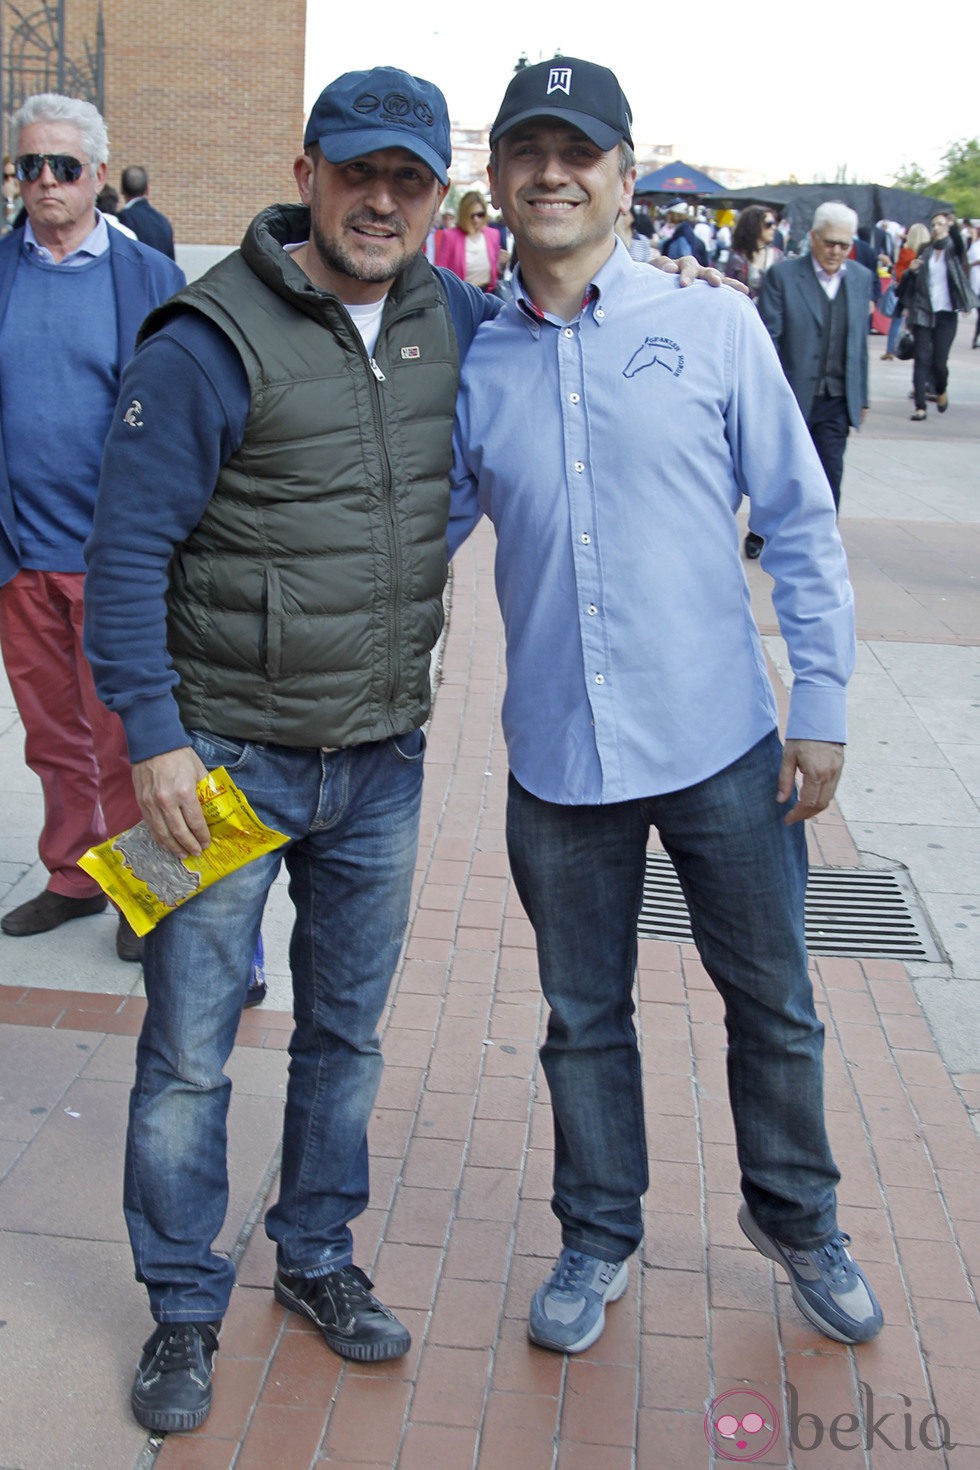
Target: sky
[780,96]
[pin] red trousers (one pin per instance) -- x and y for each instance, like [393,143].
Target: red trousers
[74,745]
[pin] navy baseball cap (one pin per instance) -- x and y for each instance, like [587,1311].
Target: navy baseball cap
[578,92]
[363,111]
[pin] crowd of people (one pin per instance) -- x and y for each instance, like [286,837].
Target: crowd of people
[237,555]
[745,245]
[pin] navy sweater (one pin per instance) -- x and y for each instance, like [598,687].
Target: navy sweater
[59,375]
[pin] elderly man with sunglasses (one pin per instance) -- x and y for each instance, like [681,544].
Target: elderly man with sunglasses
[72,297]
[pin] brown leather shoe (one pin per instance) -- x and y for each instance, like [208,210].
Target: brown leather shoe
[49,911]
[129,944]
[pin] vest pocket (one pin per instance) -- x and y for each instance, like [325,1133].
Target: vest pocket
[273,623]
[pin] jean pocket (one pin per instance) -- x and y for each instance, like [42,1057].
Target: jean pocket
[220,750]
[409,748]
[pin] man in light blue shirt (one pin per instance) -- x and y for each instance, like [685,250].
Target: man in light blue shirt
[609,425]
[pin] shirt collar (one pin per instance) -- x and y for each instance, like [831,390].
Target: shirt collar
[825,277]
[613,271]
[96,243]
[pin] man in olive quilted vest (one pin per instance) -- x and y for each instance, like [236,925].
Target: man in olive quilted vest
[266,576]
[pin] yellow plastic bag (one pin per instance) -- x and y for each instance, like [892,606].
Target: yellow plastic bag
[147,882]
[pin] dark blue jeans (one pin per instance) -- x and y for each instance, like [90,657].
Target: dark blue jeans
[352,819]
[579,871]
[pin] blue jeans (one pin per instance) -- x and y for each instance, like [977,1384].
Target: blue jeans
[352,819]
[579,871]
[894,332]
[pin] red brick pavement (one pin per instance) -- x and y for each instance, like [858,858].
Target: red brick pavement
[460,1232]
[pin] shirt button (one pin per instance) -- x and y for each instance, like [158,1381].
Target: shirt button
[573,398]
[599,679]
[579,466]
[599,313]
[592,609]
[568,332]
[585,539]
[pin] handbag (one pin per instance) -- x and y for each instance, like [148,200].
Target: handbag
[905,347]
[889,299]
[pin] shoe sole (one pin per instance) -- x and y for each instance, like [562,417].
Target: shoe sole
[766,1248]
[369,1352]
[616,1289]
[168,1421]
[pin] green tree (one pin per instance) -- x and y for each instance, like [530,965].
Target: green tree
[910,176]
[960,183]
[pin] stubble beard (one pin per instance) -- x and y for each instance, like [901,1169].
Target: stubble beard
[361,268]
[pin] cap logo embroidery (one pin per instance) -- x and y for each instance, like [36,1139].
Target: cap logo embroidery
[560,80]
[395,105]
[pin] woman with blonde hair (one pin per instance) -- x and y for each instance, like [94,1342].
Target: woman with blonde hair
[471,248]
[915,239]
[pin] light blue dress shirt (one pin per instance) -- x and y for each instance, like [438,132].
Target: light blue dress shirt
[611,454]
[96,243]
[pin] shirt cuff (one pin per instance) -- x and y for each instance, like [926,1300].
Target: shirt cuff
[817,712]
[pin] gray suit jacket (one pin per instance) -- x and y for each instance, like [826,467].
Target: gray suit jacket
[792,304]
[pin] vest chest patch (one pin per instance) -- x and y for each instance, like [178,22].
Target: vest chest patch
[411,352]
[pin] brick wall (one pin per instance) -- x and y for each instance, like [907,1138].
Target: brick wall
[208,96]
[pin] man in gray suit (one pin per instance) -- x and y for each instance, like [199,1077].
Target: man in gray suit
[816,307]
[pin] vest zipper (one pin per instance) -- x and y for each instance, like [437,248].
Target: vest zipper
[394,620]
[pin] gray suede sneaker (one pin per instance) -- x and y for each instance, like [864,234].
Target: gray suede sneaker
[568,1311]
[829,1287]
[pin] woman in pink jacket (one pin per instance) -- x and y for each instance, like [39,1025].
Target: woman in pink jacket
[471,248]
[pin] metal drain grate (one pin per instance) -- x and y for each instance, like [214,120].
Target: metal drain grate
[849,911]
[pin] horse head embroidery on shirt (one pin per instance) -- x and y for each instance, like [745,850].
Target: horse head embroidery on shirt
[656,352]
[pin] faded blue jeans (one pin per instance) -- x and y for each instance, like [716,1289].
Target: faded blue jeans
[352,819]
[579,871]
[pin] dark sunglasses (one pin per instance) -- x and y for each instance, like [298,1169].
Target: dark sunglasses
[768,224]
[30,167]
[478,214]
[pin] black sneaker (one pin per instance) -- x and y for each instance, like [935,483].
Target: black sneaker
[172,1388]
[354,1322]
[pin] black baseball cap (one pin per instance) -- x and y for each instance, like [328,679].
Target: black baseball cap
[577,92]
[364,111]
